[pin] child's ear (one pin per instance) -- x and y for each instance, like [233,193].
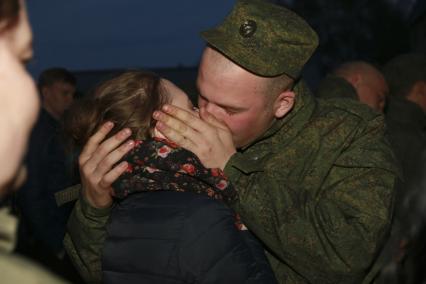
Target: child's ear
[284,103]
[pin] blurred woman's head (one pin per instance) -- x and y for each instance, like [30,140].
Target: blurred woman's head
[15,29]
[19,100]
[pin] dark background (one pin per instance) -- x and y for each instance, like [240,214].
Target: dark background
[98,38]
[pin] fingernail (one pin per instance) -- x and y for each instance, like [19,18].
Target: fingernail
[166,108]
[109,125]
[160,125]
[130,143]
[125,132]
[156,114]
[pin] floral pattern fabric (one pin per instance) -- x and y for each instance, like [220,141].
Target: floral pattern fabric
[158,164]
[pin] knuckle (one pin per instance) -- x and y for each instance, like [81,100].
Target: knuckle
[168,132]
[185,115]
[93,140]
[84,169]
[104,183]
[104,164]
[183,142]
[123,149]
[102,150]
[181,127]
[108,161]
[164,117]
[81,161]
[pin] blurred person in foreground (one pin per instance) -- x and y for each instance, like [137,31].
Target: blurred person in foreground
[18,111]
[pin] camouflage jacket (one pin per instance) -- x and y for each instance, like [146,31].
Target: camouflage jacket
[318,188]
[332,87]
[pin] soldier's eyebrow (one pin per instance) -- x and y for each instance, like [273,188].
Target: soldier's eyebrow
[227,107]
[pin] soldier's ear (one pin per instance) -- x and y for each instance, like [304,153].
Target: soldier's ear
[284,103]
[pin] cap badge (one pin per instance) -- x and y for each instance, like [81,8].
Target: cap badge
[248,28]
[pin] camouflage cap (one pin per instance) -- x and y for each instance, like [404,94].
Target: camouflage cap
[266,39]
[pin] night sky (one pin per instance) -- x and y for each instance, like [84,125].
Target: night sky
[109,34]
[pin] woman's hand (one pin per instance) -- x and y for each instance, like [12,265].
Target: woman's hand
[96,164]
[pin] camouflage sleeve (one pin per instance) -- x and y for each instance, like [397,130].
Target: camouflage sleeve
[86,233]
[329,230]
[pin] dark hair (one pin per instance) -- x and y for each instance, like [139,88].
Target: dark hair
[127,100]
[52,75]
[403,71]
[9,12]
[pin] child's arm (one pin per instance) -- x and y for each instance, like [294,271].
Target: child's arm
[86,233]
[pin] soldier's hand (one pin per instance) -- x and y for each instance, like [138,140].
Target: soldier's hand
[96,164]
[206,137]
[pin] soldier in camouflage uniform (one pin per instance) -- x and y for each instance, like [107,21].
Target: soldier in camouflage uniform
[315,179]
[406,118]
[333,86]
[357,80]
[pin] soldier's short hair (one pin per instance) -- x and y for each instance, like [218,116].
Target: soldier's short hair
[403,71]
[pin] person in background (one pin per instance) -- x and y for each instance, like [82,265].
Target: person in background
[42,223]
[357,80]
[18,112]
[406,117]
[408,251]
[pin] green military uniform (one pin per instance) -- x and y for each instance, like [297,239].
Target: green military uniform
[333,86]
[317,188]
[15,269]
